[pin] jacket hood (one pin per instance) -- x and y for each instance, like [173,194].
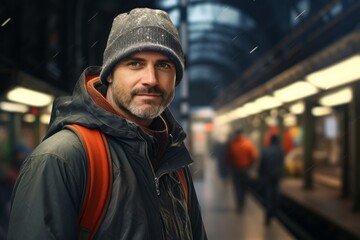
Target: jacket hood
[81,109]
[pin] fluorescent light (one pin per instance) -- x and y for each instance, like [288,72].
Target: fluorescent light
[13,107]
[231,116]
[340,97]
[197,127]
[295,91]
[29,118]
[45,118]
[251,108]
[271,121]
[240,112]
[338,74]
[49,108]
[267,102]
[320,111]
[222,119]
[290,120]
[297,108]
[219,120]
[29,97]
[200,113]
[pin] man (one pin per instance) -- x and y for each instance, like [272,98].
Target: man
[270,170]
[127,101]
[240,155]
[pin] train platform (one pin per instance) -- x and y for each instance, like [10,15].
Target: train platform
[220,217]
[326,205]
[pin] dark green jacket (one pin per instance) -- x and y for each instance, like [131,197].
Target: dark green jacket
[48,194]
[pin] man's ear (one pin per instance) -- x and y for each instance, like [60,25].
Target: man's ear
[109,78]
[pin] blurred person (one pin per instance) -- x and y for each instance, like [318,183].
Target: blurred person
[20,153]
[220,154]
[270,171]
[240,155]
[127,100]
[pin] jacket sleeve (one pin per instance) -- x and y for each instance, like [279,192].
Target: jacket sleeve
[48,192]
[197,224]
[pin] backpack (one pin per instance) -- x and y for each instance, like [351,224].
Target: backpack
[99,183]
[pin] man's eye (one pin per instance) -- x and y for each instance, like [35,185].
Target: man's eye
[164,65]
[134,64]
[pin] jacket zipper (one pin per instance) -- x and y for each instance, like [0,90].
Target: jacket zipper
[156,179]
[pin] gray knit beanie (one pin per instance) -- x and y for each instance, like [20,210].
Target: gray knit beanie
[142,29]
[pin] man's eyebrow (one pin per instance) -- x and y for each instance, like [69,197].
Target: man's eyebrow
[130,58]
[166,60]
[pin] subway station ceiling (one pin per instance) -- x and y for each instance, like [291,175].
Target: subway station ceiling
[54,40]
[226,37]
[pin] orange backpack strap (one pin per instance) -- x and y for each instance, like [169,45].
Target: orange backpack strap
[99,180]
[183,182]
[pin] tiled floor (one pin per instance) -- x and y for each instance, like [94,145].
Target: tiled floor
[221,220]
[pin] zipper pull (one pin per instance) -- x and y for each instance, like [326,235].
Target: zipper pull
[157,186]
[171,139]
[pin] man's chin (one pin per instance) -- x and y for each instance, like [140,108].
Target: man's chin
[147,112]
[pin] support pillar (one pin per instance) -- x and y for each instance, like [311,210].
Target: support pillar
[308,145]
[355,120]
[345,161]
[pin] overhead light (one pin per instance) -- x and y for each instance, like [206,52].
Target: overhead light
[297,90]
[233,115]
[271,121]
[45,118]
[222,119]
[321,111]
[340,97]
[338,74]
[240,112]
[219,120]
[49,108]
[201,112]
[13,107]
[267,102]
[197,127]
[290,120]
[29,118]
[29,97]
[251,108]
[297,108]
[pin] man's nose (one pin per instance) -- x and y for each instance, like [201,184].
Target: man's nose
[150,77]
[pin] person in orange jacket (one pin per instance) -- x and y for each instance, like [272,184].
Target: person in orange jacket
[241,154]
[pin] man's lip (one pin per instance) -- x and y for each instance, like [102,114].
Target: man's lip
[149,95]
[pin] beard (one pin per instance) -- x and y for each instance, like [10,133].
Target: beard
[146,109]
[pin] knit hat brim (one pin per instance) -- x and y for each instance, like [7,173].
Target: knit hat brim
[139,40]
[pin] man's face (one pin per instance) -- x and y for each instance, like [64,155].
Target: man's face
[142,86]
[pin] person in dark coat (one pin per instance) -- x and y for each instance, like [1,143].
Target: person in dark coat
[127,100]
[220,154]
[270,170]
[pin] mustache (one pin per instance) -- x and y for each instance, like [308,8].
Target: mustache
[145,90]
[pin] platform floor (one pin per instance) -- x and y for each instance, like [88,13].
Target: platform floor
[221,220]
[325,202]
